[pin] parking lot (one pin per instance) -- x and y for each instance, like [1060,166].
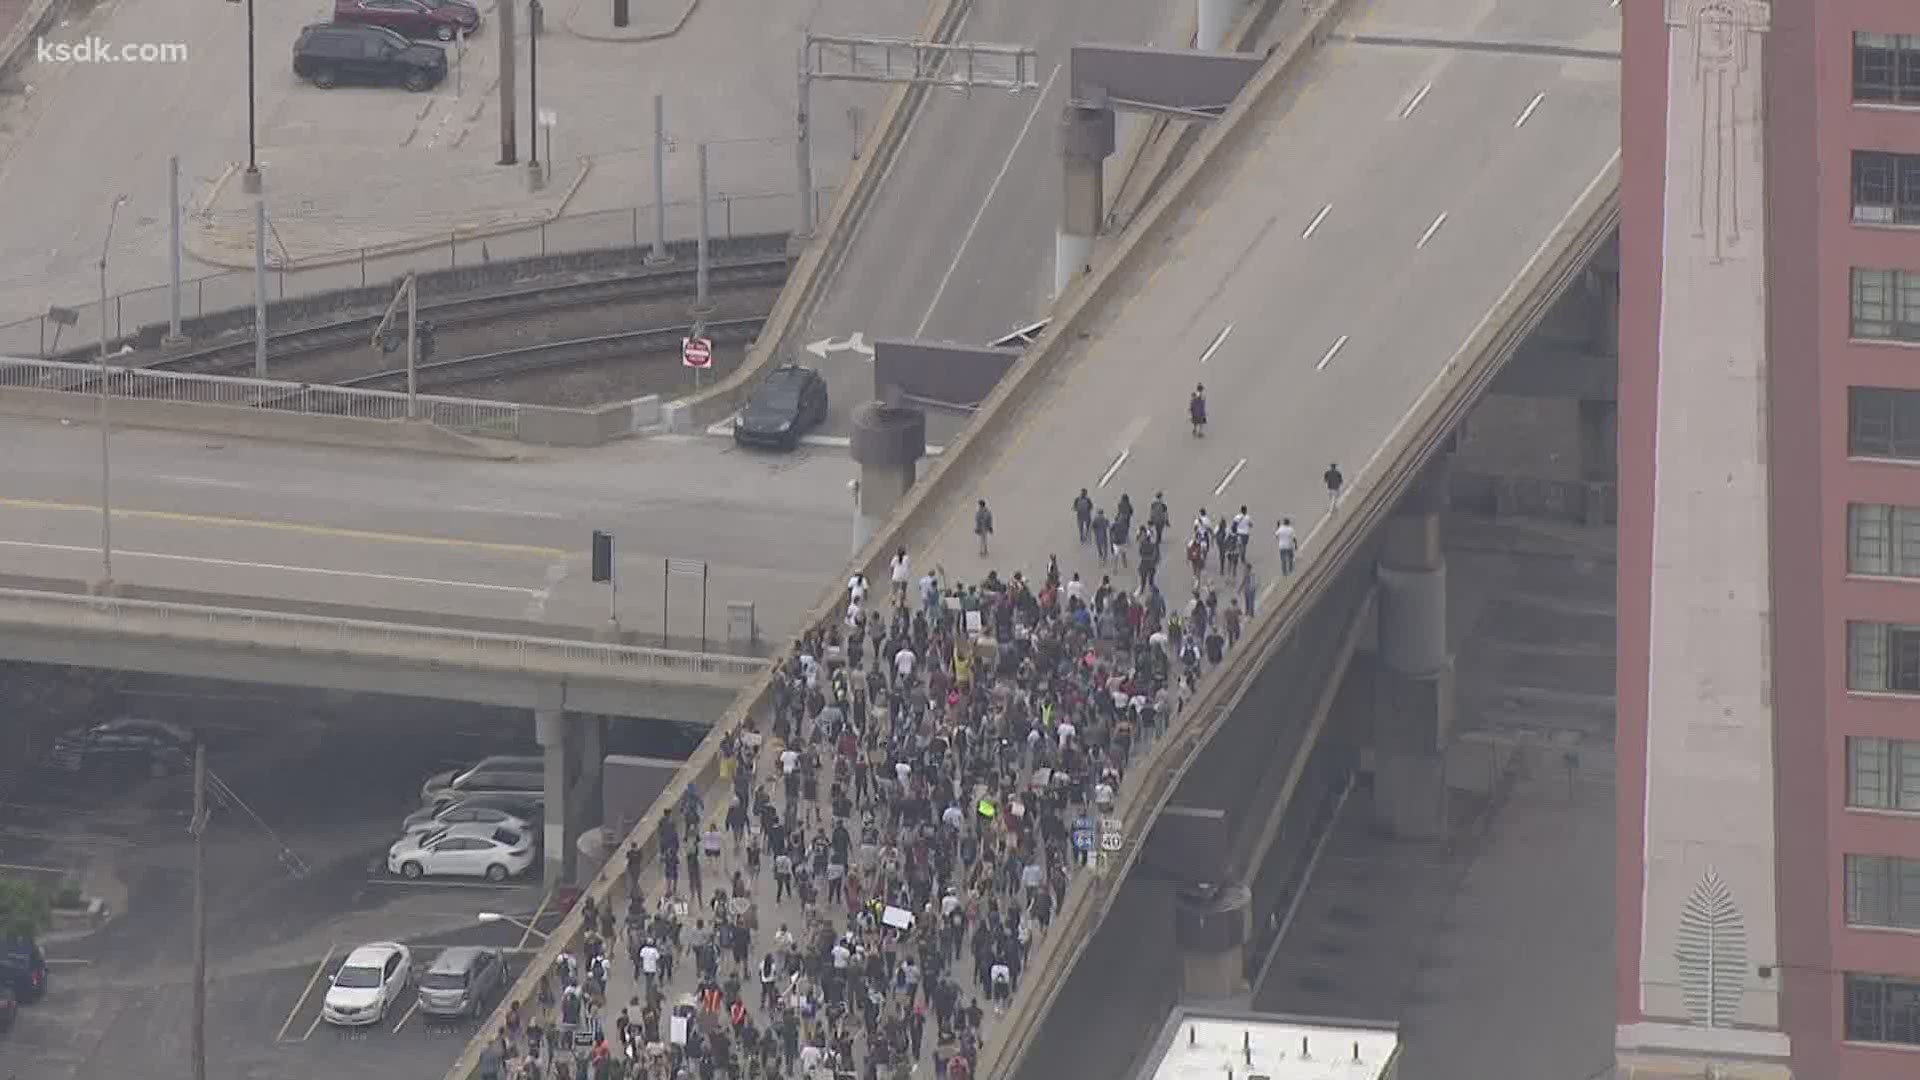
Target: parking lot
[296,880]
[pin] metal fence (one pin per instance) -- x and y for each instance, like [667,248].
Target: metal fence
[287,630]
[470,416]
[352,268]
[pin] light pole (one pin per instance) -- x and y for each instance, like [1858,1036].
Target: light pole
[534,19]
[250,180]
[106,426]
[496,917]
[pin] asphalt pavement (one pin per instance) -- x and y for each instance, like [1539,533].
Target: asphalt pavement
[435,536]
[958,245]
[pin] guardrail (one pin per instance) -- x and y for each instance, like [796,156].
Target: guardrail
[471,649]
[468,416]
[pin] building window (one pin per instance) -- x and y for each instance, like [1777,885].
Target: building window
[1883,891]
[1883,540]
[1883,1008]
[1886,188]
[1883,423]
[1883,658]
[1883,774]
[1886,69]
[1886,304]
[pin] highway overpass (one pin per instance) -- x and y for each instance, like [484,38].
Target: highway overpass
[1345,260]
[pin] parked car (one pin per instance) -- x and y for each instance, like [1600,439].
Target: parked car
[153,747]
[494,852]
[463,981]
[23,969]
[502,774]
[483,809]
[330,54]
[788,403]
[438,19]
[367,984]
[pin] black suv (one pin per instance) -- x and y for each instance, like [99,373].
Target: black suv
[329,54]
[126,745]
[23,969]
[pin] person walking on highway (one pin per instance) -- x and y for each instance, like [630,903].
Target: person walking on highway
[1102,531]
[1149,558]
[1121,536]
[1083,514]
[902,570]
[1334,483]
[1242,539]
[983,525]
[1157,518]
[1288,543]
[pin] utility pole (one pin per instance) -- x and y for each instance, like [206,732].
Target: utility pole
[803,149]
[509,145]
[659,254]
[260,288]
[702,306]
[174,336]
[533,89]
[106,424]
[409,292]
[199,829]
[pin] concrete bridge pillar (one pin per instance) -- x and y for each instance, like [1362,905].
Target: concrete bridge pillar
[561,747]
[1086,141]
[888,442]
[1413,691]
[1212,927]
[1216,18]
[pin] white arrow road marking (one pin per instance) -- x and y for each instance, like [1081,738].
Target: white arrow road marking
[855,342]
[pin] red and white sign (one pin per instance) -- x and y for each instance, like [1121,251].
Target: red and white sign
[696,352]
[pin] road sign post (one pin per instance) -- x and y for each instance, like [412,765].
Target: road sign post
[684,568]
[696,353]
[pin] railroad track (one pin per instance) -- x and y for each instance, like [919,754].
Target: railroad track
[554,355]
[236,357]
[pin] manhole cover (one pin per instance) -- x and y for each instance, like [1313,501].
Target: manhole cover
[1343,915]
[1315,983]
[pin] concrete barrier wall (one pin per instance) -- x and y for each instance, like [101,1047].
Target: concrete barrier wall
[251,423]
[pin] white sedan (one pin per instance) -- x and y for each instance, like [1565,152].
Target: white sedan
[367,984]
[494,852]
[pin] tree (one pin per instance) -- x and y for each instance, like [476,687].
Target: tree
[24,909]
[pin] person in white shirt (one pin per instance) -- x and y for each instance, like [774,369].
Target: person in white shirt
[903,662]
[789,761]
[1066,731]
[650,964]
[902,568]
[1203,526]
[904,773]
[857,588]
[1001,976]
[1242,534]
[1076,589]
[929,591]
[853,614]
[1288,543]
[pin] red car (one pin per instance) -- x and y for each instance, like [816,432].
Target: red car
[437,19]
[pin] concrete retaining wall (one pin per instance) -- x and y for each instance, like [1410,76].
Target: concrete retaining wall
[254,423]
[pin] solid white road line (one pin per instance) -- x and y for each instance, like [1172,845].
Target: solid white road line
[1314,225]
[399,579]
[319,969]
[1332,351]
[1115,467]
[967,237]
[1417,99]
[1218,340]
[1431,229]
[1527,113]
[1231,473]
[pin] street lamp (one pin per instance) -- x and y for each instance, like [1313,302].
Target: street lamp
[106,428]
[250,180]
[535,17]
[497,917]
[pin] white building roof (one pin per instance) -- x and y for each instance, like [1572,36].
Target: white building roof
[1217,1047]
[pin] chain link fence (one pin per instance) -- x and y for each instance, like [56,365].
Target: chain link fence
[125,313]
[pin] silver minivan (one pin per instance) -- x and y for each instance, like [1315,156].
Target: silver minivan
[463,981]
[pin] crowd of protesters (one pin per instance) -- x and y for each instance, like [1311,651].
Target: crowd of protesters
[902,828]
